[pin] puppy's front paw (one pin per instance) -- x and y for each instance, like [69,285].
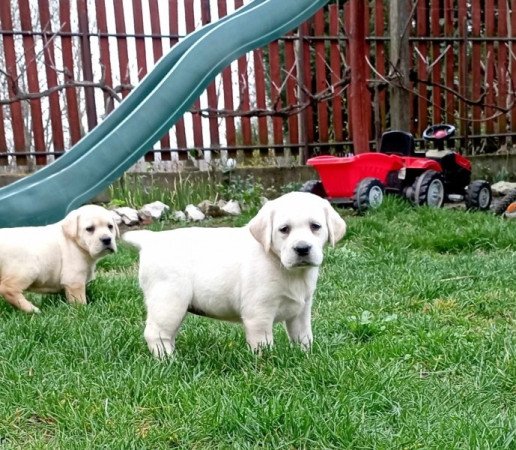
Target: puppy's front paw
[34,310]
[29,308]
[161,350]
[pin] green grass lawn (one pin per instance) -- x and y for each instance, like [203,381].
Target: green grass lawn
[414,326]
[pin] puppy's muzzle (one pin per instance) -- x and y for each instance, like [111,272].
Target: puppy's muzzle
[107,242]
[302,249]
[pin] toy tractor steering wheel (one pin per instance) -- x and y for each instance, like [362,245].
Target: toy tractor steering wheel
[439,134]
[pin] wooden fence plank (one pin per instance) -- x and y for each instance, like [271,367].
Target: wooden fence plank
[72,104]
[379,30]
[261,103]
[307,81]
[157,45]
[121,42]
[51,75]
[173,22]
[31,69]
[157,53]
[490,63]
[243,86]
[196,118]
[86,62]
[436,61]
[275,91]
[320,76]
[463,72]
[502,69]
[346,25]
[291,85]
[4,160]
[12,81]
[336,70]
[105,53]
[360,103]
[476,53]
[421,57]
[449,31]
[141,51]
[227,87]
[211,90]
[512,68]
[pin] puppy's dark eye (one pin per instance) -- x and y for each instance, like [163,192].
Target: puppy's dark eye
[314,226]
[90,229]
[285,229]
[110,226]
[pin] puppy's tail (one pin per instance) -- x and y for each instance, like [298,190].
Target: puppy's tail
[138,238]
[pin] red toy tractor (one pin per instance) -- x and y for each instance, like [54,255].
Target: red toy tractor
[430,178]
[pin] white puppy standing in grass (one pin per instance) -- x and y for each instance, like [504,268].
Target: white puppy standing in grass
[55,257]
[262,273]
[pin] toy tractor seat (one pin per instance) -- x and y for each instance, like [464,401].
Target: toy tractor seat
[397,143]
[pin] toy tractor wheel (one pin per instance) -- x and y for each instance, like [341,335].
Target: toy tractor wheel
[428,189]
[478,195]
[368,194]
[314,187]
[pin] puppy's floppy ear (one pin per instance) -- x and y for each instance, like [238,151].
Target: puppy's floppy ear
[335,223]
[261,226]
[113,222]
[70,225]
[117,230]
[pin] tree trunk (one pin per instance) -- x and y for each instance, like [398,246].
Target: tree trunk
[399,23]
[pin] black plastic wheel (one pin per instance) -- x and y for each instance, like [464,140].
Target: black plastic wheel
[478,195]
[505,201]
[368,194]
[428,189]
[314,187]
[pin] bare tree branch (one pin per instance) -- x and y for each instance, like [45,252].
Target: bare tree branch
[324,95]
[21,95]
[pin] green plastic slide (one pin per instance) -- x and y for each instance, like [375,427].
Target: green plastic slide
[132,101]
[161,99]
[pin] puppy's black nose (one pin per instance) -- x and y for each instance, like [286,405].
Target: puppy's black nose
[105,240]
[302,249]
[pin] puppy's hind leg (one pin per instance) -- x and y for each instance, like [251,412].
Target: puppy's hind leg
[165,312]
[12,291]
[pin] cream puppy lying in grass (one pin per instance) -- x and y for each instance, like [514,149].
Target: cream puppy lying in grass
[55,257]
[262,273]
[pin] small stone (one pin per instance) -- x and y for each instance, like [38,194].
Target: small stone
[179,216]
[193,213]
[116,218]
[128,215]
[211,209]
[232,207]
[155,209]
[145,219]
[502,188]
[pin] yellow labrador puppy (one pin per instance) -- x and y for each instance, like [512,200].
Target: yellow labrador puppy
[55,257]
[262,273]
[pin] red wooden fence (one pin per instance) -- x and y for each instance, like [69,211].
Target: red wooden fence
[291,98]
